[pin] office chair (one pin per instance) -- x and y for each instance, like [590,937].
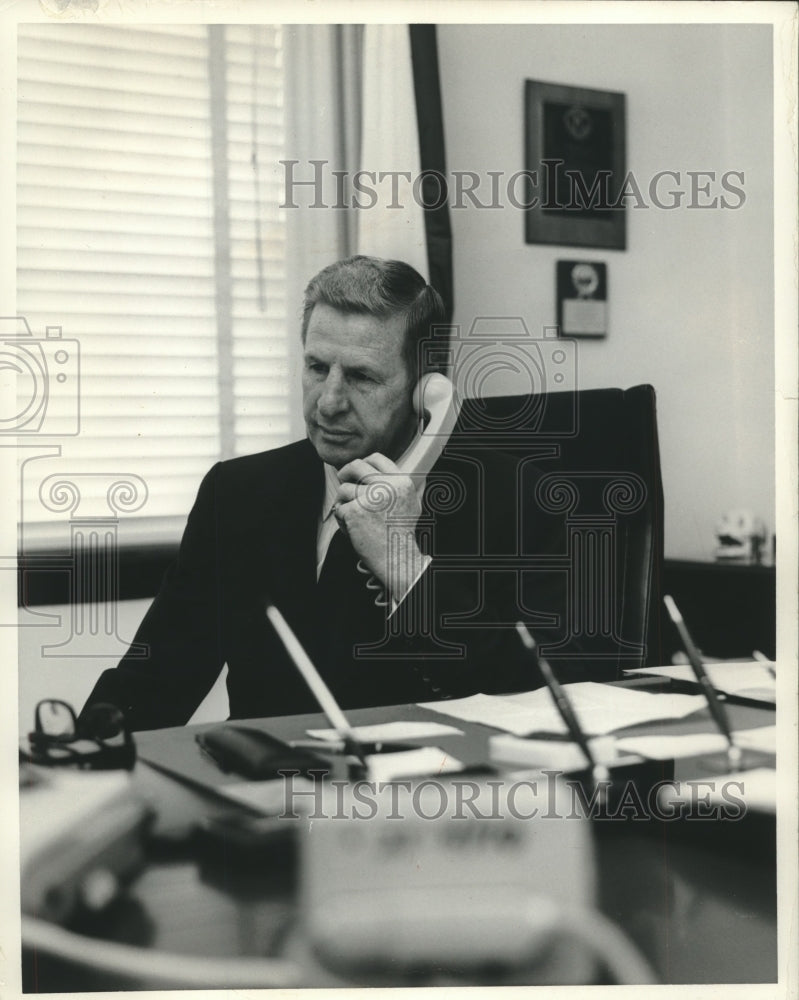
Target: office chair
[588,467]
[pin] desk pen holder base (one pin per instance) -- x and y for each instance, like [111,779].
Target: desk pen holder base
[720,764]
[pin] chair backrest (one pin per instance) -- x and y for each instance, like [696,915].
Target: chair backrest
[589,467]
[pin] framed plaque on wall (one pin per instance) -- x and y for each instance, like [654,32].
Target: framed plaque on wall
[575,161]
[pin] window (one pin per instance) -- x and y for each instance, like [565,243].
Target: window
[149,231]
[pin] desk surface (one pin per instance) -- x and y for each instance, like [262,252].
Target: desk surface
[698,899]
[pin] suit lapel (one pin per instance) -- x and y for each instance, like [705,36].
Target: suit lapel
[292,538]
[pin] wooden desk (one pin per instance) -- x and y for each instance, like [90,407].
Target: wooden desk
[697,898]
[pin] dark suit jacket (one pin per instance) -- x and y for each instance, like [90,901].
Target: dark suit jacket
[252,534]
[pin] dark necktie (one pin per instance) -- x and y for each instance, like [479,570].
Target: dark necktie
[347,615]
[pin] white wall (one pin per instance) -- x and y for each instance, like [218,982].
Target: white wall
[690,300]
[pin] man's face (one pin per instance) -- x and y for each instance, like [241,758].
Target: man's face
[356,389]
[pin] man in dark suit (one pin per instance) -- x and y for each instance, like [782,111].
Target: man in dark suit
[290,524]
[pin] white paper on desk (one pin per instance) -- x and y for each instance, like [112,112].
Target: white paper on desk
[600,708]
[430,761]
[490,711]
[692,744]
[391,732]
[749,679]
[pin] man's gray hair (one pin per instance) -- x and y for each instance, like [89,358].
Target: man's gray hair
[380,288]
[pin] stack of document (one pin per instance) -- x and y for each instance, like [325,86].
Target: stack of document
[413,762]
[600,709]
[750,679]
[423,761]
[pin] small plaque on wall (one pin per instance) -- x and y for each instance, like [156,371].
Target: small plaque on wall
[575,161]
[582,294]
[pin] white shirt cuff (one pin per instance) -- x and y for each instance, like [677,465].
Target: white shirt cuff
[395,603]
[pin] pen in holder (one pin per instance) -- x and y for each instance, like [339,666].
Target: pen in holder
[736,758]
[599,771]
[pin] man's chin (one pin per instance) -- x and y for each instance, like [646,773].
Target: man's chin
[333,451]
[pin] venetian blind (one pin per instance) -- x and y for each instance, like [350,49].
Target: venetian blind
[149,231]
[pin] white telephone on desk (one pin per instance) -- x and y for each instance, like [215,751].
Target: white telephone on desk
[434,401]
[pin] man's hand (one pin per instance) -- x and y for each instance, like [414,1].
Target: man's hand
[378,506]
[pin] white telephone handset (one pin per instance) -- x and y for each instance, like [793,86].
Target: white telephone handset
[434,400]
